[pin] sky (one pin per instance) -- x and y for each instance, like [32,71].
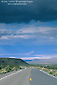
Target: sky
[29,31]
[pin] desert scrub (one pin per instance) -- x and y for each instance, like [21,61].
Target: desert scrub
[51,69]
[46,70]
[50,72]
[16,68]
[2,71]
[6,69]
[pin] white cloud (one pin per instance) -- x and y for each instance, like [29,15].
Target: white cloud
[40,57]
[32,58]
[47,56]
[36,34]
[4,37]
[12,57]
[27,54]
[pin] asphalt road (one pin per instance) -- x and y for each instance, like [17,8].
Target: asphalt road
[40,78]
[23,78]
[16,78]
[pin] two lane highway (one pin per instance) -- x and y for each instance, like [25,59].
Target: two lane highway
[28,76]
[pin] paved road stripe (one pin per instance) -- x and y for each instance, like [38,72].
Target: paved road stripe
[30,74]
[48,74]
[10,74]
[30,79]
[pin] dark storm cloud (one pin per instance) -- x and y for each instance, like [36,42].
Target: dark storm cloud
[42,10]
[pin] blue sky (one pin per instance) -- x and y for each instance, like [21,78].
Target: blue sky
[33,39]
[29,31]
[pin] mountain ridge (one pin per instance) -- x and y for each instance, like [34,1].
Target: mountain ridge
[12,61]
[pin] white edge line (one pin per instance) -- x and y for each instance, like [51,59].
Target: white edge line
[11,74]
[48,74]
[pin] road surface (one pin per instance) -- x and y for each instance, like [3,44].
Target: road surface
[17,78]
[40,78]
[23,78]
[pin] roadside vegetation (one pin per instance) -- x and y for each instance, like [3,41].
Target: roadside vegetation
[11,64]
[50,69]
[7,68]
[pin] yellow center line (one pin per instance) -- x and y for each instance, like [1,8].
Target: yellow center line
[30,79]
[30,74]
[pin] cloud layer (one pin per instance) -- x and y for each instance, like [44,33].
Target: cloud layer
[42,10]
[40,57]
[29,33]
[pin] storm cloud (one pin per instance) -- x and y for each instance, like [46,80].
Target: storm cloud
[39,10]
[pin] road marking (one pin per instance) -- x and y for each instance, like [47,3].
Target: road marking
[11,74]
[30,79]
[48,74]
[30,74]
[30,70]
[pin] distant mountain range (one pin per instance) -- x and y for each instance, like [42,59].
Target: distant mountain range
[12,61]
[43,61]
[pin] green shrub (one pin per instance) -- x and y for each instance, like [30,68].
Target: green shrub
[54,74]
[8,69]
[51,73]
